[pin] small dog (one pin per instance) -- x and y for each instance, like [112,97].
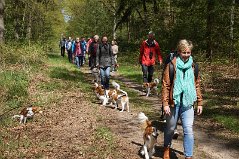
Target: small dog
[101,94]
[116,97]
[151,86]
[150,136]
[28,112]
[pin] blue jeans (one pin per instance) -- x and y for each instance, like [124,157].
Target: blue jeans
[105,77]
[79,61]
[187,118]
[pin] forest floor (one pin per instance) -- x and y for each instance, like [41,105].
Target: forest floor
[77,126]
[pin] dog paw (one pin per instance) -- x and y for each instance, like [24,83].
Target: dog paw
[142,152]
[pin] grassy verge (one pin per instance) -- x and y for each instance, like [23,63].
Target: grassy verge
[19,63]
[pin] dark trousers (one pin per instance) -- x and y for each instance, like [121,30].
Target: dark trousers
[63,51]
[69,55]
[79,61]
[148,72]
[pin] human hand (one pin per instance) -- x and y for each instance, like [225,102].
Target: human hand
[167,110]
[199,110]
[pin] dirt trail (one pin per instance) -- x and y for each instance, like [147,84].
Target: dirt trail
[69,129]
[206,146]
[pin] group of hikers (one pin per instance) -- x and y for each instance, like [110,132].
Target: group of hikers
[102,55]
[180,82]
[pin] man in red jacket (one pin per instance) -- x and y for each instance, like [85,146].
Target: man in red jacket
[147,58]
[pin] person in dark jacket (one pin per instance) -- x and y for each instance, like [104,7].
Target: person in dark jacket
[104,61]
[92,50]
[62,45]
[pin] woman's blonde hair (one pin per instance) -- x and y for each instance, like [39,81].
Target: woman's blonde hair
[184,44]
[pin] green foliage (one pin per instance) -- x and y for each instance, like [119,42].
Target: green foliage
[87,18]
[35,20]
[17,61]
[171,20]
[230,122]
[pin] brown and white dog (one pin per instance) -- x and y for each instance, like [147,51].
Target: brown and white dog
[151,86]
[118,95]
[27,112]
[150,136]
[101,94]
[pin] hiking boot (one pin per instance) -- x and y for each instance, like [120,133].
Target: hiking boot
[166,153]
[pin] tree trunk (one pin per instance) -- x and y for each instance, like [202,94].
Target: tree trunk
[232,28]
[128,29]
[115,23]
[210,4]
[145,14]
[156,9]
[29,27]
[2,4]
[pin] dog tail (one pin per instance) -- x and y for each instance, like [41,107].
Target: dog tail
[156,80]
[143,119]
[116,85]
[16,116]
[125,93]
[96,84]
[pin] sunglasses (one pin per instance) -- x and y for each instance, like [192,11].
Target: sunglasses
[186,52]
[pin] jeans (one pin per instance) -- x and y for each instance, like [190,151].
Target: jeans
[105,77]
[79,61]
[148,72]
[187,118]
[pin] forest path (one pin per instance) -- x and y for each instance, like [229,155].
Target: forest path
[74,125]
[206,146]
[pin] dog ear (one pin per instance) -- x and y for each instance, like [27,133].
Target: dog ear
[149,123]
[145,84]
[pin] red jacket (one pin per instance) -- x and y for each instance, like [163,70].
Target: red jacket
[78,49]
[144,57]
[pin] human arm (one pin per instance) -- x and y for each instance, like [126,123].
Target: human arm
[158,52]
[98,56]
[141,53]
[166,87]
[111,55]
[199,95]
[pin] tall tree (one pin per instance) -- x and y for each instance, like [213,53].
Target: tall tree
[210,5]
[2,4]
[232,26]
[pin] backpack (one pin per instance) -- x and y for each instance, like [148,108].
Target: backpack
[169,59]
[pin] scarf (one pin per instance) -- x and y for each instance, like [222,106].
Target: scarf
[184,84]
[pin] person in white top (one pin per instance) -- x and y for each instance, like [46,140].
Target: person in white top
[115,52]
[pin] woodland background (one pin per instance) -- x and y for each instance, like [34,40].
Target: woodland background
[212,25]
